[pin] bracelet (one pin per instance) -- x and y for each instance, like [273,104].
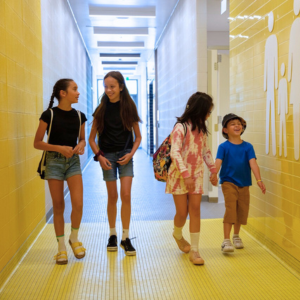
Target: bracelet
[99,153]
[259,181]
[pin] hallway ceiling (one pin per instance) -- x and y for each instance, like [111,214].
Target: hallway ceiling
[109,28]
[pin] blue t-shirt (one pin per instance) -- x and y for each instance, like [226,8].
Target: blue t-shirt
[235,163]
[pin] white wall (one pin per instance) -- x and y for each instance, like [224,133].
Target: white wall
[216,39]
[64,56]
[181,64]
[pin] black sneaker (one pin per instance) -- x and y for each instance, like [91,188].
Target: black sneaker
[126,245]
[112,243]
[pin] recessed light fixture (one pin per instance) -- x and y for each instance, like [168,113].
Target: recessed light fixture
[121,12]
[121,30]
[121,44]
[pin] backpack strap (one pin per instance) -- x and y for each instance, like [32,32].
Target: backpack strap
[79,115]
[43,167]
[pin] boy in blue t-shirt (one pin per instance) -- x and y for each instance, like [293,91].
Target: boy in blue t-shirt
[237,158]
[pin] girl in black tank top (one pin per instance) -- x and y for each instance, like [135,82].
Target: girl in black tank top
[113,122]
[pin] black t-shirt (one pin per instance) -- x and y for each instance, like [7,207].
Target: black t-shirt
[114,136]
[65,126]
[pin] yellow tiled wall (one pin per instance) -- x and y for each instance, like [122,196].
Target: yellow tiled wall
[22,193]
[275,216]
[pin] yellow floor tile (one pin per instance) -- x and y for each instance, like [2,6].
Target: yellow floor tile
[159,270]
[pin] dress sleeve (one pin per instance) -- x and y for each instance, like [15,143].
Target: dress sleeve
[207,156]
[83,118]
[177,138]
[46,116]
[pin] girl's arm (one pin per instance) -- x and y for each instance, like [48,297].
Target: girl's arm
[92,138]
[207,156]
[79,149]
[255,169]
[177,138]
[41,145]
[104,163]
[138,137]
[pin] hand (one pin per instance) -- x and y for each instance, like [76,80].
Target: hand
[261,186]
[189,183]
[104,163]
[124,159]
[66,151]
[79,149]
[214,179]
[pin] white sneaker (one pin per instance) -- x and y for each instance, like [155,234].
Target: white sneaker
[227,246]
[237,242]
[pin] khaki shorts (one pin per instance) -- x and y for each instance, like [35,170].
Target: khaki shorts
[236,203]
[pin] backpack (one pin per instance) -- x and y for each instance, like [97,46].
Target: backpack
[162,158]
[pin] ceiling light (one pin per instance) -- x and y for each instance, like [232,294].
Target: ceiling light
[121,44]
[121,30]
[136,12]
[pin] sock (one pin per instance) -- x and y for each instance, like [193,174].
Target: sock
[74,238]
[61,243]
[235,235]
[112,231]
[125,234]
[177,232]
[74,235]
[195,240]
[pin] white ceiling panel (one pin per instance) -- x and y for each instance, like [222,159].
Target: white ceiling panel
[117,25]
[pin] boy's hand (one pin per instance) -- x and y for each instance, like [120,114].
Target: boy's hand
[262,186]
[214,179]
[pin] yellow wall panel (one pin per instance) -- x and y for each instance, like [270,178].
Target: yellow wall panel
[21,86]
[276,215]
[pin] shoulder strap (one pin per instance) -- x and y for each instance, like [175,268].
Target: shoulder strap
[50,125]
[79,115]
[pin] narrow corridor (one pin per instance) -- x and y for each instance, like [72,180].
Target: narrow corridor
[160,270]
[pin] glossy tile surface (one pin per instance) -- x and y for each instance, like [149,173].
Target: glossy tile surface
[159,270]
[276,214]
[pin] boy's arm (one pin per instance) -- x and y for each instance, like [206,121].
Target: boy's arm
[255,169]
[218,164]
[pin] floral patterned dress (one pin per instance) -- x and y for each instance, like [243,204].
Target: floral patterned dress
[188,154]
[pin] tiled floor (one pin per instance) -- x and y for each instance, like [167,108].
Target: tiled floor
[160,270]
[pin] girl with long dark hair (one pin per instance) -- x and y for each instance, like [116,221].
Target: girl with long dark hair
[114,120]
[189,151]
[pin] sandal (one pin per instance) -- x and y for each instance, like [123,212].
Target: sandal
[61,258]
[77,248]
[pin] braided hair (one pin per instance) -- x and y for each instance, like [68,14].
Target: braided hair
[60,85]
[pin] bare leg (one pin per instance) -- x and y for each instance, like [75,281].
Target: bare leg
[57,194]
[76,192]
[237,227]
[181,204]
[194,212]
[112,202]
[126,183]
[227,230]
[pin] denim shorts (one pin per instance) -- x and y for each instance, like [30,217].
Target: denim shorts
[61,168]
[124,170]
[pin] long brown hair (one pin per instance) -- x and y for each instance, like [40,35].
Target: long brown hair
[60,85]
[197,108]
[129,114]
